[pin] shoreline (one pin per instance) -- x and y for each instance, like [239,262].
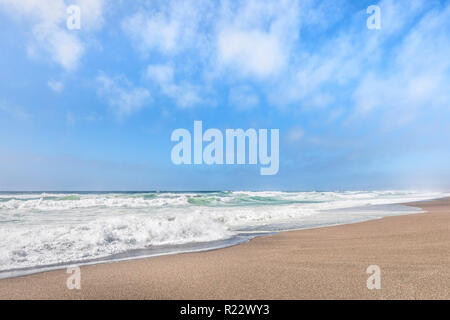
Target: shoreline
[235,240]
[320,263]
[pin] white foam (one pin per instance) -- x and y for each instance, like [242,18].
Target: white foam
[44,229]
[36,244]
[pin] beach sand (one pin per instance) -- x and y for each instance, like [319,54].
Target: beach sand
[412,251]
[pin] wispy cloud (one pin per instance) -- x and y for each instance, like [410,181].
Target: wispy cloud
[49,34]
[184,94]
[255,37]
[169,27]
[347,99]
[14,111]
[417,76]
[56,86]
[272,45]
[121,95]
[253,52]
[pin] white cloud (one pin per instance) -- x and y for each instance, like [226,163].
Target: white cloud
[418,77]
[206,41]
[47,19]
[403,64]
[65,48]
[153,32]
[314,54]
[161,73]
[185,94]
[255,37]
[121,95]
[254,52]
[395,15]
[169,26]
[91,13]
[56,86]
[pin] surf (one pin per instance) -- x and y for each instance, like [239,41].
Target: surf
[42,229]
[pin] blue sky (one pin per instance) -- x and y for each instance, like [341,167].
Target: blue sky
[93,109]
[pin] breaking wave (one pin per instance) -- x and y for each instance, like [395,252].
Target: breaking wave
[38,229]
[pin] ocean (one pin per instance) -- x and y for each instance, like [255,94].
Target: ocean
[41,231]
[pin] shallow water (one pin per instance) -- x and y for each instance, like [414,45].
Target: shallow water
[55,229]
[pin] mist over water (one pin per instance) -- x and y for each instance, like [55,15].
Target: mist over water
[40,229]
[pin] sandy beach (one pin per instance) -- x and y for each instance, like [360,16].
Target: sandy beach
[413,253]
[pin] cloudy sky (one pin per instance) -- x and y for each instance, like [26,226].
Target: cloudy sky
[93,109]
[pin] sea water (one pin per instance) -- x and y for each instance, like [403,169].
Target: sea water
[39,231]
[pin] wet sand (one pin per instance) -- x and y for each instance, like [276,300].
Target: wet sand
[413,253]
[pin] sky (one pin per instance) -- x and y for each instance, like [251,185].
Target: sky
[94,108]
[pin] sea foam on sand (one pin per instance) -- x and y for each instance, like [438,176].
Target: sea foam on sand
[49,228]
